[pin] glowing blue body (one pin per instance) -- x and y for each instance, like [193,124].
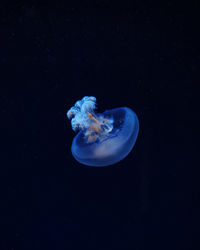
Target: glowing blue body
[104,138]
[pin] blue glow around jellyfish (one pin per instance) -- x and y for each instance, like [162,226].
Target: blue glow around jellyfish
[104,139]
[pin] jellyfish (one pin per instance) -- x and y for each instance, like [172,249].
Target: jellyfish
[103,139]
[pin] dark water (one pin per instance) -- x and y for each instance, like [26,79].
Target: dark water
[139,55]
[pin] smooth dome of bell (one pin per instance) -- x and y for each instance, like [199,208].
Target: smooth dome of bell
[113,148]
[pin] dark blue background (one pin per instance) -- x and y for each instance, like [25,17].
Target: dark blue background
[130,53]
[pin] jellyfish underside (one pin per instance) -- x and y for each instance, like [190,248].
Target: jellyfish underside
[104,139]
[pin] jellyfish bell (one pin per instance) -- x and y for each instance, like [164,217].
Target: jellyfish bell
[104,139]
